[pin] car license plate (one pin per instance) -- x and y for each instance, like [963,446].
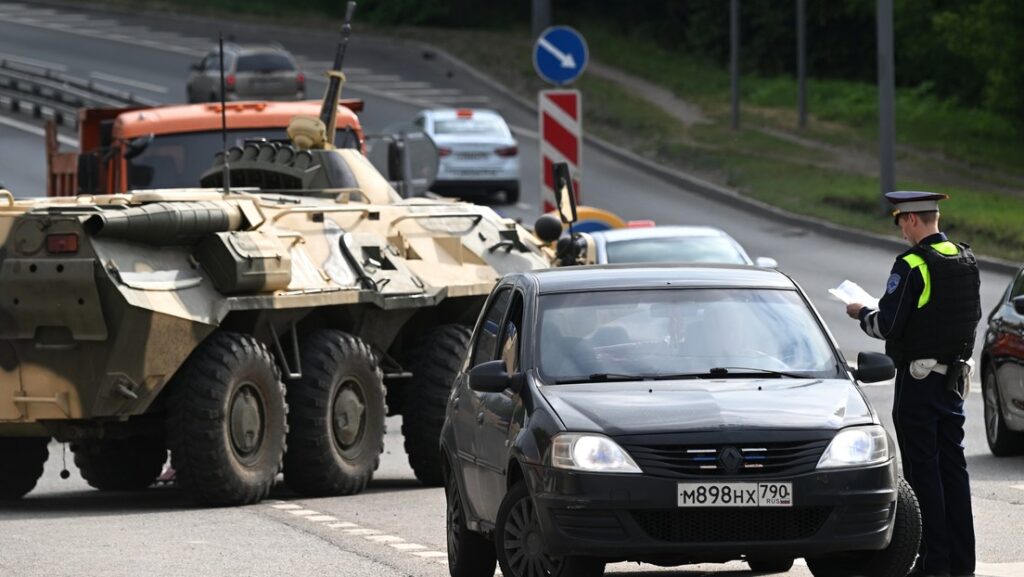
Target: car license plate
[735,494]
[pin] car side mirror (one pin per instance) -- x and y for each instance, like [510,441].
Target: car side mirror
[1018,304]
[874,367]
[490,377]
[766,262]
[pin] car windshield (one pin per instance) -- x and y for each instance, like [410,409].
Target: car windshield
[675,249]
[479,125]
[269,62]
[587,335]
[179,160]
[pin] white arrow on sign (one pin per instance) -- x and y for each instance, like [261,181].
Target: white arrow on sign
[566,59]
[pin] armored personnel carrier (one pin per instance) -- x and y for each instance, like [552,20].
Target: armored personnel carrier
[264,328]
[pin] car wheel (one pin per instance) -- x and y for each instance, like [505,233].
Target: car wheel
[1001,440]
[226,421]
[511,195]
[520,543]
[470,554]
[22,459]
[336,421]
[770,564]
[895,560]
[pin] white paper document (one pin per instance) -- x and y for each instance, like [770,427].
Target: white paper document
[851,292]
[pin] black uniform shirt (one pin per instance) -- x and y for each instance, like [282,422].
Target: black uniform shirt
[902,291]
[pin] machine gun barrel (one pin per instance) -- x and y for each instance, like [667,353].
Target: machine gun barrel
[329,111]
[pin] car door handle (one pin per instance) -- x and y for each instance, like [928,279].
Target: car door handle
[480,418]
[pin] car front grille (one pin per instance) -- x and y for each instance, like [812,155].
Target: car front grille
[758,458]
[724,525]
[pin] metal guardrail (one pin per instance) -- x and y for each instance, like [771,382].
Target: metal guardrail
[44,93]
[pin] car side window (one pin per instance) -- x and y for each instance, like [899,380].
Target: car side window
[420,122]
[510,338]
[211,62]
[1018,286]
[487,339]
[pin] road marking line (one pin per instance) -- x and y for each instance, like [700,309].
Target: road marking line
[342,525]
[452,92]
[398,85]
[383,538]
[37,131]
[129,82]
[429,554]
[361,532]
[371,78]
[286,506]
[304,512]
[462,99]
[321,518]
[999,569]
[34,62]
[1019,487]
[407,546]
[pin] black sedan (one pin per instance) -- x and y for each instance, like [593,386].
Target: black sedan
[668,415]
[1002,372]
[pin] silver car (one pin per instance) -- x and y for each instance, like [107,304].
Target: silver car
[250,73]
[670,244]
[478,155]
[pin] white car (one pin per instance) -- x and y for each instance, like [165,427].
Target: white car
[670,244]
[478,155]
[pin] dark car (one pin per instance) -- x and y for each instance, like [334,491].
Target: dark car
[669,415]
[1002,370]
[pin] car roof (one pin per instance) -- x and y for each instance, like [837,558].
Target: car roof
[452,113]
[631,276]
[254,49]
[618,234]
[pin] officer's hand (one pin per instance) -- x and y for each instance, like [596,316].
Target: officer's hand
[853,310]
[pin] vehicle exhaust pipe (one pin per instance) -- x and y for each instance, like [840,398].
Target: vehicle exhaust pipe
[165,223]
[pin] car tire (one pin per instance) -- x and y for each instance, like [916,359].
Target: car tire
[517,518]
[1002,441]
[511,195]
[130,464]
[760,564]
[895,560]
[434,359]
[21,465]
[470,554]
[336,421]
[226,421]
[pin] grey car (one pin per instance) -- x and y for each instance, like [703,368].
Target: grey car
[253,72]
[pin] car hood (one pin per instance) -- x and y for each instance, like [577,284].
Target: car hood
[680,406]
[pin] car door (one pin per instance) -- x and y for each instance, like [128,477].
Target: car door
[496,412]
[1008,351]
[467,404]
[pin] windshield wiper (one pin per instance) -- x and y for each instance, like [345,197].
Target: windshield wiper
[605,378]
[737,372]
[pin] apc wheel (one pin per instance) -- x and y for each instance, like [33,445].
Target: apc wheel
[120,464]
[895,560]
[336,424]
[470,554]
[434,359]
[770,564]
[520,543]
[21,465]
[226,421]
[1002,441]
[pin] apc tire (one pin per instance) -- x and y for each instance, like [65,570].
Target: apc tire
[434,359]
[895,560]
[517,523]
[226,421]
[770,564]
[1002,441]
[336,423]
[470,554]
[21,465]
[130,464]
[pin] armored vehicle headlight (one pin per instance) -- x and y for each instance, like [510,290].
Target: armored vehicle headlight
[856,446]
[590,452]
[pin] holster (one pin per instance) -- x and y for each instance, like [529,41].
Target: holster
[955,377]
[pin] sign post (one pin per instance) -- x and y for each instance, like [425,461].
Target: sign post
[560,56]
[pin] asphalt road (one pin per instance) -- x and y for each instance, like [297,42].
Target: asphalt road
[396,527]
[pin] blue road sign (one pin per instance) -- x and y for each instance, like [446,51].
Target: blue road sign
[560,55]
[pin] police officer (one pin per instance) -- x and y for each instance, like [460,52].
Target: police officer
[928,317]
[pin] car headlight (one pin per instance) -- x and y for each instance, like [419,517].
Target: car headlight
[590,452]
[856,446]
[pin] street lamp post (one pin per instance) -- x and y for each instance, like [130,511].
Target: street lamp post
[886,96]
[801,61]
[734,60]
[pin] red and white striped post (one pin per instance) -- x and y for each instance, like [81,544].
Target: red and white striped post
[561,139]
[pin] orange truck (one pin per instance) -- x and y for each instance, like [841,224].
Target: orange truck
[123,149]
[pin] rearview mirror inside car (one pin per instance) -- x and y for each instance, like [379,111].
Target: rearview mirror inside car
[565,192]
[1018,304]
[489,377]
[874,367]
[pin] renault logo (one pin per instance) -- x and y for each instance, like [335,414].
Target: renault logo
[731,459]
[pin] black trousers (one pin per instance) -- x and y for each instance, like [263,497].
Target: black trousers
[929,423]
